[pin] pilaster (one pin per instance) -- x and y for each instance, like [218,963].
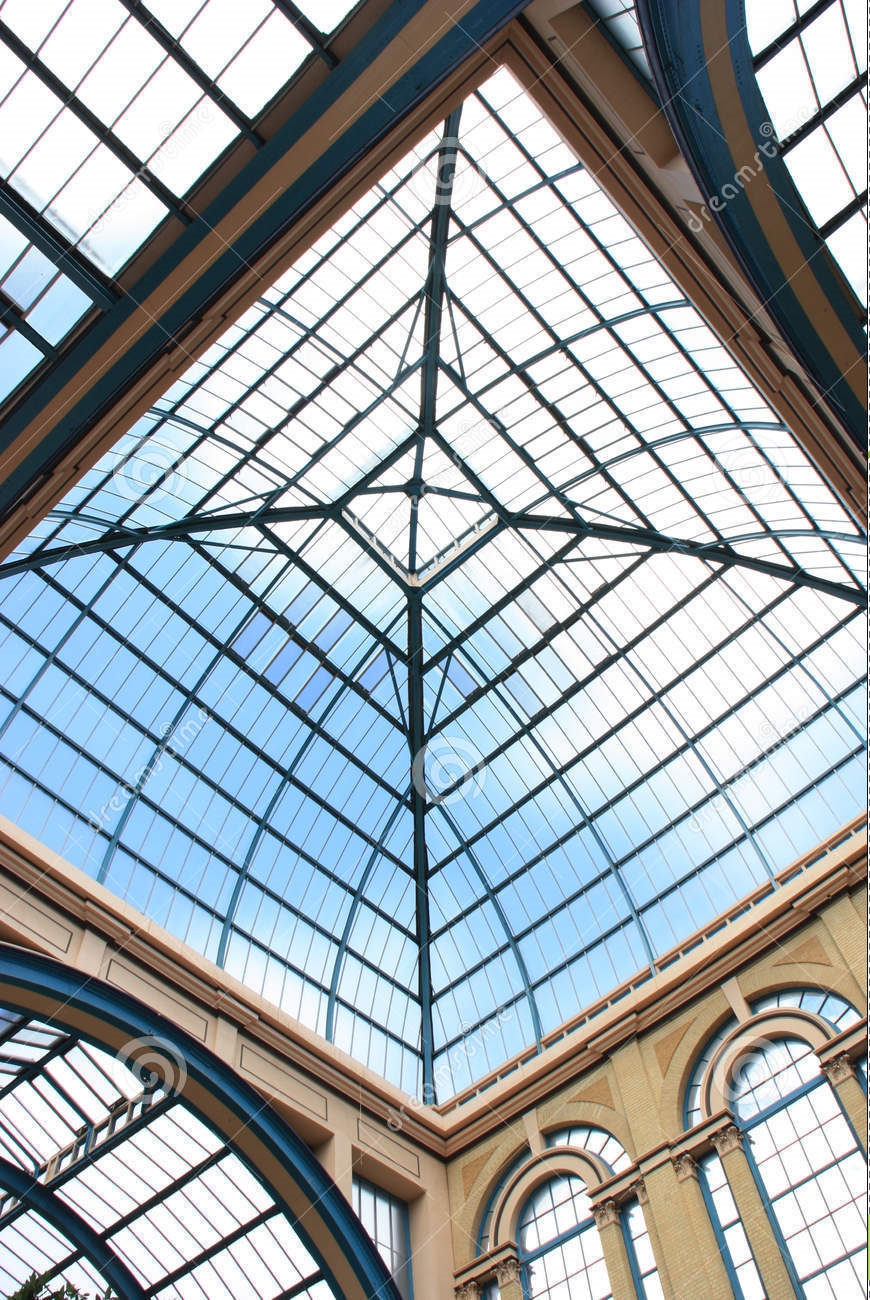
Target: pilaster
[728,1141]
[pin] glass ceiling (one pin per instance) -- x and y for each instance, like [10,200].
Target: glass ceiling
[811,64]
[456,636]
[116,1165]
[110,112]
[619,19]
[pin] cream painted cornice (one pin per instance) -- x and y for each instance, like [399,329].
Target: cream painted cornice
[43,897]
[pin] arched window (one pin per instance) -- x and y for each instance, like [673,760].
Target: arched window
[830,1008]
[560,1249]
[615,1159]
[810,1167]
[802,1150]
[559,1246]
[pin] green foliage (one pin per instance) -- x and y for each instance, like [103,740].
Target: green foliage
[35,1289]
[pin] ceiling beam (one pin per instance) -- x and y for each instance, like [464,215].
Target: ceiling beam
[92,395]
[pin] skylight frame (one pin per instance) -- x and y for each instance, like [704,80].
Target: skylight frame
[203,548]
[793,130]
[97,1172]
[32,349]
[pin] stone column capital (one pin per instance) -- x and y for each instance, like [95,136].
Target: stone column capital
[685,1166]
[507,1271]
[838,1069]
[468,1291]
[727,1139]
[605,1212]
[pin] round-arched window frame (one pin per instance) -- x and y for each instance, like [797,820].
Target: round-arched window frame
[803,1152]
[559,1243]
[809,1166]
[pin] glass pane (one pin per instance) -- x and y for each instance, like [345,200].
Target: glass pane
[519,587]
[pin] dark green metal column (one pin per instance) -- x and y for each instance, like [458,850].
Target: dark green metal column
[416,742]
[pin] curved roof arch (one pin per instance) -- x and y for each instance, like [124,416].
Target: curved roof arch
[740,150]
[456,636]
[130,1155]
[37,1200]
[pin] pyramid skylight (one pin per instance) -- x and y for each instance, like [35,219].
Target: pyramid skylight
[458,635]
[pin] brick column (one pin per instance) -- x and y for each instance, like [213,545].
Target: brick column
[682,1236]
[840,1073]
[655,1241]
[607,1221]
[728,1142]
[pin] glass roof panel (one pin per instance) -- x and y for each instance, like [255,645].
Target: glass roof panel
[326,14]
[110,113]
[458,634]
[811,64]
[619,18]
[39,306]
[129,1162]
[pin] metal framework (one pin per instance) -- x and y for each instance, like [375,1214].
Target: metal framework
[460,633]
[204,105]
[109,1175]
[818,128]
[135,178]
[790,205]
